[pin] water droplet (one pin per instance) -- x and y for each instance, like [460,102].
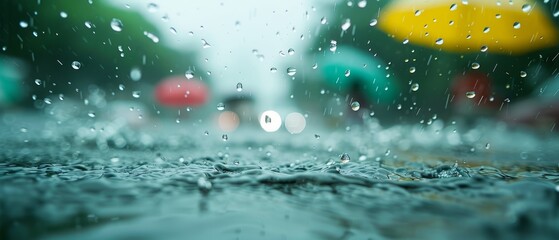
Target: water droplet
[415,87]
[475,65]
[487,146]
[484,48]
[346,24]
[91,114]
[291,71]
[61,97]
[344,158]
[63,14]
[173,30]
[498,16]
[453,7]
[204,184]
[323,20]
[205,44]
[136,94]
[38,82]
[470,94]
[291,51]
[116,25]
[135,74]
[23,130]
[121,87]
[224,137]
[373,22]
[88,24]
[405,41]
[317,136]
[355,106]
[417,12]
[347,73]
[267,119]
[439,41]
[189,74]
[151,36]
[152,7]
[239,87]
[315,66]
[23,24]
[273,69]
[516,25]
[412,69]
[362,3]
[220,106]
[526,7]
[47,101]
[486,29]
[523,74]
[333,45]
[76,65]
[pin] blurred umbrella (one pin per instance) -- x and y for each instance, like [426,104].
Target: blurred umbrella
[513,28]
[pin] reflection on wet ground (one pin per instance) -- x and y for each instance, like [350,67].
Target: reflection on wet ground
[437,181]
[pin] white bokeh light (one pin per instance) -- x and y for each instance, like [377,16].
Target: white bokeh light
[270,121]
[295,123]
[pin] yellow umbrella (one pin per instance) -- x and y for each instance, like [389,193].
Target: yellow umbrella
[512,27]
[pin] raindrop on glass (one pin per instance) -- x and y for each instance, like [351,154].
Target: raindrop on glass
[291,71]
[23,24]
[415,87]
[239,87]
[417,12]
[526,7]
[88,24]
[151,36]
[486,29]
[205,44]
[189,74]
[38,82]
[453,7]
[323,20]
[220,106]
[224,137]
[362,3]
[523,74]
[173,30]
[412,69]
[291,51]
[347,73]
[439,41]
[91,114]
[333,45]
[344,158]
[136,94]
[63,14]
[76,65]
[484,48]
[471,94]
[475,65]
[516,25]
[373,22]
[135,74]
[116,25]
[273,69]
[355,106]
[152,7]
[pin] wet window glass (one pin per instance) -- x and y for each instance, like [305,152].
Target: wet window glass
[334,119]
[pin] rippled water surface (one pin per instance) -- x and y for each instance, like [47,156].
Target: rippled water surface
[86,179]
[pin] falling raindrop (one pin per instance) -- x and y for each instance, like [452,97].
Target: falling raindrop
[346,24]
[475,65]
[220,106]
[355,106]
[470,94]
[344,158]
[373,22]
[291,71]
[523,74]
[136,94]
[239,87]
[526,7]
[516,25]
[415,87]
[439,41]
[116,25]
[76,65]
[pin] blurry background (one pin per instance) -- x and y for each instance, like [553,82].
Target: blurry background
[333,62]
